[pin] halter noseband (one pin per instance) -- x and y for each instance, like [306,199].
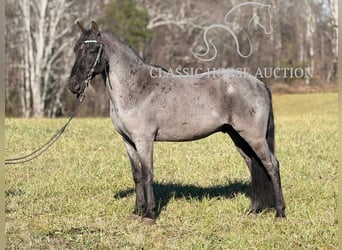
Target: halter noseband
[91,72]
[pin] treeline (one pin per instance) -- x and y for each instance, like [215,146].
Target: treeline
[271,36]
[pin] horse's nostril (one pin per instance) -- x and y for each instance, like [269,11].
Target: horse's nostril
[76,86]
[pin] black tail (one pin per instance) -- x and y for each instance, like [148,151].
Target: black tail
[270,126]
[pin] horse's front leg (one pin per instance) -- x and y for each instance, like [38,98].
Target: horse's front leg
[145,151]
[138,179]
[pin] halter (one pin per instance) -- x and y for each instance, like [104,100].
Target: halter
[90,74]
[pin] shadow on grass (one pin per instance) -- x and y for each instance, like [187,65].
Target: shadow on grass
[164,192]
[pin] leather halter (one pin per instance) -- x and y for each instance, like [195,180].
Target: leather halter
[91,72]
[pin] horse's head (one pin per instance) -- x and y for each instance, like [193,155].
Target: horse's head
[90,59]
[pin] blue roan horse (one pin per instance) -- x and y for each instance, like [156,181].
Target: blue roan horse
[146,107]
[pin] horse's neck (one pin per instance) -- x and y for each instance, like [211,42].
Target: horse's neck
[124,63]
[127,73]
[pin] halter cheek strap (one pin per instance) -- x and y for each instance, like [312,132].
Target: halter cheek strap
[97,60]
[91,72]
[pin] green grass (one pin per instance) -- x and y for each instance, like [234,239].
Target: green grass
[79,194]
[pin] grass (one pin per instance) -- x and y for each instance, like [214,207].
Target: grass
[79,194]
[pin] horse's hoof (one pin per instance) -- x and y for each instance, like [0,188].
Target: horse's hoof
[135,217]
[280,214]
[148,221]
[252,212]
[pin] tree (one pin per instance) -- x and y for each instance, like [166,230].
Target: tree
[128,20]
[41,31]
[40,35]
[332,72]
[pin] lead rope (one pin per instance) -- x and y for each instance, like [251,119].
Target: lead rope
[48,144]
[54,138]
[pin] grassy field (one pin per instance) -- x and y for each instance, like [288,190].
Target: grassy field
[79,194]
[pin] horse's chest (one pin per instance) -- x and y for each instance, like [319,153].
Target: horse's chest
[117,122]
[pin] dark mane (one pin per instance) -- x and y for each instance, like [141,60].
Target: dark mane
[115,37]
[159,67]
[125,44]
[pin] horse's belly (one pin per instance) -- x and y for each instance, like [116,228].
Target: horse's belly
[186,131]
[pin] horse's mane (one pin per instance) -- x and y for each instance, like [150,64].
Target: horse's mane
[122,42]
[131,49]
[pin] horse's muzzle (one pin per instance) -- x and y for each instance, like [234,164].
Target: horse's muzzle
[75,87]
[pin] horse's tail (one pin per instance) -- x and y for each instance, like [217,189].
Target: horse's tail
[270,126]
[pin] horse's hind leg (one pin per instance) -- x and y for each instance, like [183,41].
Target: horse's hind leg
[262,194]
[261,149]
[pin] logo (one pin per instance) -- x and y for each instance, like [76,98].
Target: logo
[263,21]
[228,27]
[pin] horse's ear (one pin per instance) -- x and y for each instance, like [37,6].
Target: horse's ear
[95,28]
[80,27]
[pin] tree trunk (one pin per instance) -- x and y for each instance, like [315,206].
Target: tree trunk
[28,58]
[309,36]
[333,26]
[38,101]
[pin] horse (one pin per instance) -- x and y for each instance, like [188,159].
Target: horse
[145,108]
[228,26]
